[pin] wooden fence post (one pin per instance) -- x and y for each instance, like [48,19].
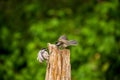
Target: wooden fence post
[58,65]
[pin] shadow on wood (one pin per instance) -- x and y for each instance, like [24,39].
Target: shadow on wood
[58,66]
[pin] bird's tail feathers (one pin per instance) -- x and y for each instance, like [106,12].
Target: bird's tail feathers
[73,42]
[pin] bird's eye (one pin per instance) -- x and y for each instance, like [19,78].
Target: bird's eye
[56,42]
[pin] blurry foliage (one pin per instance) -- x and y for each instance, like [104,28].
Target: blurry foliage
[27,26]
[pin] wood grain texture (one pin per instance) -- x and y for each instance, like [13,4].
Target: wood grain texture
[58,66]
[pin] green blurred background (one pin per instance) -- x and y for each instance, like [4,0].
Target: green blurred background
[26,26]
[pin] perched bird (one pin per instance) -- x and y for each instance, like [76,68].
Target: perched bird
[43,55]
[64,42]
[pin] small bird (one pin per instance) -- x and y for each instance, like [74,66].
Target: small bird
[43,55]
[63,42]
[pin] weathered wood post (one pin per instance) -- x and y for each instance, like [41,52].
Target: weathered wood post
[58,66]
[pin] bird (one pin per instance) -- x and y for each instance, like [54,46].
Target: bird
[63,42]
[42,55]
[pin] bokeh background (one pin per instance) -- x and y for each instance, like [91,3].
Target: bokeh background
[26,26]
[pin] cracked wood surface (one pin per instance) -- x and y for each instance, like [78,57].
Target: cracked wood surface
[58,66]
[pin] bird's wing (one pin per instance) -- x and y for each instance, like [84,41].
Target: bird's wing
[40,57]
